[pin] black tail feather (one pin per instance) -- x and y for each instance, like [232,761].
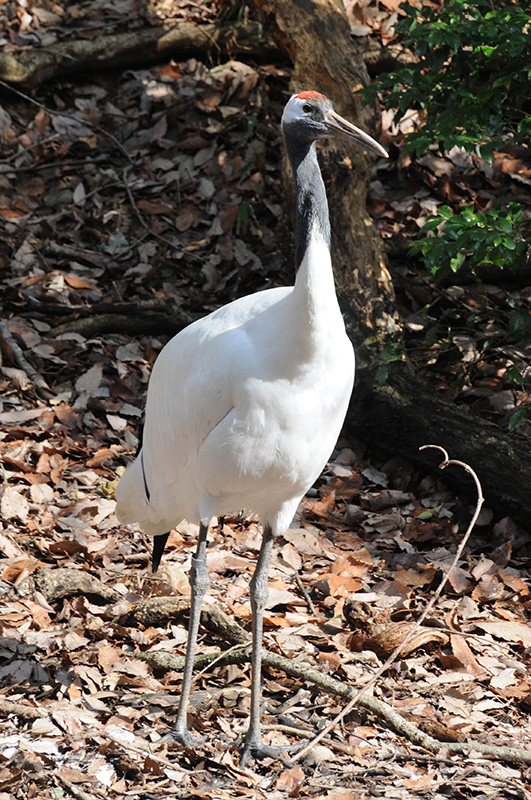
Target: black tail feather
[159,543]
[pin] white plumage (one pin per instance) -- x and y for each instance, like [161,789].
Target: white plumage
[245,405]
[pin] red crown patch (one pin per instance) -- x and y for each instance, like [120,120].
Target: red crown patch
[311,96]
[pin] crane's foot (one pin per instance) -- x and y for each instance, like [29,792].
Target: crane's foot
[181,735]
[252,747]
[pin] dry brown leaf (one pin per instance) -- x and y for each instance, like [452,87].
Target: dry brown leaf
[393,594]
[421,781]
[305,541]
[350,566]
[186,218]
[90,380]
[79,283]
[489,588]
[40,616]
[291,557]
[518,632]
[19,570]
[484,567]
[154,208]
[18,378]
[100,456]
[423,575]
[14,504]
[324,755]
[66,415]
[9,547]
[507,677]
[514,583]
[290,780]
[107,656]
[279,594]
[459,580]
[222,561]
[465,656]
[322,508]
[340,586]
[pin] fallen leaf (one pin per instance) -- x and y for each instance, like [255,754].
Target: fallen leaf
[518,632]
[465,656]
[14,505]
[290,780]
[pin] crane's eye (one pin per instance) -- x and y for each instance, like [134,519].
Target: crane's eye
[307,108]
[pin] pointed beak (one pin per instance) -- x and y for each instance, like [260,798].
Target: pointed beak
[345,130]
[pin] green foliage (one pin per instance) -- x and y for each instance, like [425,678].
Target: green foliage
[473,77]
[497,237]
[471,85]
[390,354]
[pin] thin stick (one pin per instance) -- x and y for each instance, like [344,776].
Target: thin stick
[41,387]
[303,591]
[348,708]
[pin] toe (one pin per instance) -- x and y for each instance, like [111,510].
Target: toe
[183,737]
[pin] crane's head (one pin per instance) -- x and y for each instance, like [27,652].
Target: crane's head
[309,116]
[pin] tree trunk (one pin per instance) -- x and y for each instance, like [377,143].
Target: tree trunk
[404,413]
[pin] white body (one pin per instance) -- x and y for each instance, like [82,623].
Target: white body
[244,407]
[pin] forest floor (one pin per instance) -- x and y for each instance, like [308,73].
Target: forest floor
[133,202]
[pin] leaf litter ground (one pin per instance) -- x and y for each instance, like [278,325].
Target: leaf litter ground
[158,198]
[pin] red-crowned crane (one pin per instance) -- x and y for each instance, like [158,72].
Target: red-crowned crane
[245,405]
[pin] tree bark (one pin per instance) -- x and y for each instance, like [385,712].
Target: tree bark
[404,413]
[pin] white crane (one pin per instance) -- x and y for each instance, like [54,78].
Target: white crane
[245,405]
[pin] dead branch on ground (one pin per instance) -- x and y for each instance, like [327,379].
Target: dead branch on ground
[15,354]
[30,68]
[156,610]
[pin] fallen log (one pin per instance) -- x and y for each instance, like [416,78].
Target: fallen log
[30,68]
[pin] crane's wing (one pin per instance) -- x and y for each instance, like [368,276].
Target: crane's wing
[193,387]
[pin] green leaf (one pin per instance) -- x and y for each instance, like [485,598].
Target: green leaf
[457,261]
[516,417]
[472,77]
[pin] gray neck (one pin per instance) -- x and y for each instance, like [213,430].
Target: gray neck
[312,205]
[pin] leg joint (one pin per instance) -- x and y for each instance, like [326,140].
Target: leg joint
[199,580]
[259,590]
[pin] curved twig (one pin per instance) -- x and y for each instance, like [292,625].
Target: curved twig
[433,745]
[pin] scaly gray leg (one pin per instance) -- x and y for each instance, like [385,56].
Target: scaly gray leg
[252,746]
[199,583]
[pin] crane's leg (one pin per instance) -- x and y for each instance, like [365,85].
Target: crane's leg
[252,746]
[199,583]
